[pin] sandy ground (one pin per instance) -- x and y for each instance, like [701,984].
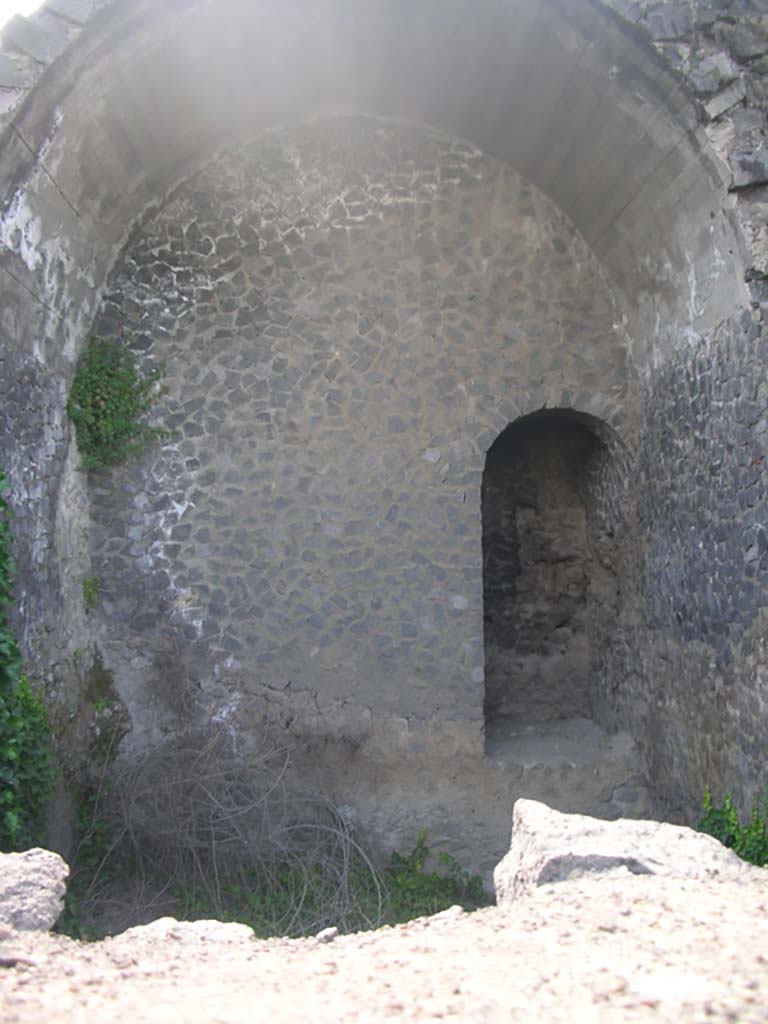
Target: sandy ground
[613,948]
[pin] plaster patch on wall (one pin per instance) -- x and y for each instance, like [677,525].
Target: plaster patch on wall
[694,311]
[224,717]
[21,231]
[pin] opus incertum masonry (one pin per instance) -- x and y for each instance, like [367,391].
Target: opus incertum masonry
[461,311]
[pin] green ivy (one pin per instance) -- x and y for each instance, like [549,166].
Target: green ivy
[109,396]
[749,841]
[26,769]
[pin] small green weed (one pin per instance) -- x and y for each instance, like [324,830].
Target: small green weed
[108,398]
[91,592]
[749,841]
[415,892]
[285,900]
[271,903]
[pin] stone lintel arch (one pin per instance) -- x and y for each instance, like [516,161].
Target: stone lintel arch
[604,415]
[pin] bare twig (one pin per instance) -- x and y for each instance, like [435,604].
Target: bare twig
[191,820]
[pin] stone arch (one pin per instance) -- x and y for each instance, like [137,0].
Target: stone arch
[621,125]
[550,562]
[123,113]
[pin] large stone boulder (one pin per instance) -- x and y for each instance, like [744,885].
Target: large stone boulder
[548,846]
[32,888]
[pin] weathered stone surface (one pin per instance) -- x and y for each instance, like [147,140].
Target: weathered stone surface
[750,169]
[13,73]
[78,11]
[684,667]
[32,888]
[322,341]
[726,100]
[668,21]
[747,43]
[548,846]
[186,933]
[31,37]
[615,950]
[713,73]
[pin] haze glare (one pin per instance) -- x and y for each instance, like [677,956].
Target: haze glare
[10,7]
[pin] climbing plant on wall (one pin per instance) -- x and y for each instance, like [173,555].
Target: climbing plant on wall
[26,770]
[108,398]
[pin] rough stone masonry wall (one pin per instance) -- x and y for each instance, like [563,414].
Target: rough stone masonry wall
[719,48]
[698,693]
[703,582]
[349,313]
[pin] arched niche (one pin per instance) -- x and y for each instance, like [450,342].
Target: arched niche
[551,564]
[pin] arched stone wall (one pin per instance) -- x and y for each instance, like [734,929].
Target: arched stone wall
[125,113]
[641,121]
[343,309]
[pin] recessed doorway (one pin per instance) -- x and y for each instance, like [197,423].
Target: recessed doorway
[540,567]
